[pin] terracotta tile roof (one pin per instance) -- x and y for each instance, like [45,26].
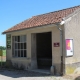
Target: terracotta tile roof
[44,19]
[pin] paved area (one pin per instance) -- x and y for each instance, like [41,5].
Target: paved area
[3,58]
[29,75]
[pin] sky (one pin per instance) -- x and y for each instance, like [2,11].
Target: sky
[13,12]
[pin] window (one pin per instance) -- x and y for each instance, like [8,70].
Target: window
[19,46]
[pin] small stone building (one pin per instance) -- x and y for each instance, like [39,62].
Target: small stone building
[51,39]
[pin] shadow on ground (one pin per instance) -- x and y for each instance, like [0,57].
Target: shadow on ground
[77,78]
[22,73]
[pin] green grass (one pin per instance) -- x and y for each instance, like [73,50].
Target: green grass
[4,52]
[3,58]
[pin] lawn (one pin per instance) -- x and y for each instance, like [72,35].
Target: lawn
[3,57]
[4,52]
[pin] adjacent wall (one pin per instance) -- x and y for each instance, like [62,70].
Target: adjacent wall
[72,31]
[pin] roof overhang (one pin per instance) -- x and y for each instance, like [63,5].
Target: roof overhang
[60,21]
[48,25]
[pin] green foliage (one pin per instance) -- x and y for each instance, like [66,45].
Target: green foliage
[4,52]
[2,48]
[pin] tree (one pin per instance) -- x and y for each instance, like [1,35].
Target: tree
[2,48]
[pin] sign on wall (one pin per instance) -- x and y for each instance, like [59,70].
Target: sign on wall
[9,41]
[69,47]
[56,44]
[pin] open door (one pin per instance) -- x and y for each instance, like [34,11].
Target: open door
[44,50]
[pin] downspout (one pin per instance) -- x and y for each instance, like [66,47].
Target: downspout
[61,43]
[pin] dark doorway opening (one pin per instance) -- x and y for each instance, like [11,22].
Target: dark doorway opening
[44,50]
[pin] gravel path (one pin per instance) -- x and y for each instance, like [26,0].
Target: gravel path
[28,75]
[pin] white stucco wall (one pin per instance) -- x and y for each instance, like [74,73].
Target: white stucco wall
[56,56]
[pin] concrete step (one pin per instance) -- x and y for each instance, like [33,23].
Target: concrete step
[41,71]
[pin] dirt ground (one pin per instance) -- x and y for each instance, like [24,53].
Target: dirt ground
[29,75]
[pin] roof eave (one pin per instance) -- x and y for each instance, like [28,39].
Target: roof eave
[30,28]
